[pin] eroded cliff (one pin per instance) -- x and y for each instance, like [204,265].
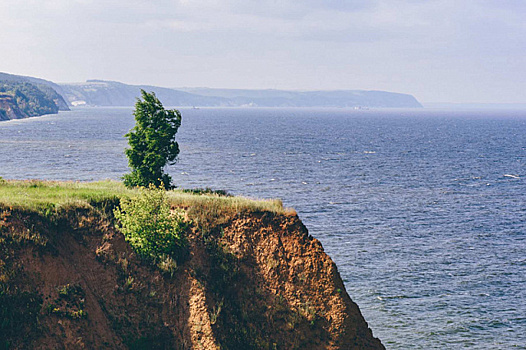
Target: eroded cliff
[255,280]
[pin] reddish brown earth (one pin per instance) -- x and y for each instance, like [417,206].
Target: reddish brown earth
[258,281]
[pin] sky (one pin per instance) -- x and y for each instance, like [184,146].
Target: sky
[457,51]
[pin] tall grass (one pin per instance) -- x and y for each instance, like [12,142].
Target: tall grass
[45,195]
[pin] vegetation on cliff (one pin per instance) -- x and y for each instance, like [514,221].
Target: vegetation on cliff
[154,230]
[253,277]
[23,100]
[52,90]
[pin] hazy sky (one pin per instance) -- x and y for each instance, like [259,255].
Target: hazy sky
[439,51]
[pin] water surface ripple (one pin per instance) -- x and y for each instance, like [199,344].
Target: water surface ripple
[423,211]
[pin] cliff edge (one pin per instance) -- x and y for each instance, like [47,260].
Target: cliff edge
[251,280]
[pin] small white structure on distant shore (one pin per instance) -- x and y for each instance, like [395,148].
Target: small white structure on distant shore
[78,103]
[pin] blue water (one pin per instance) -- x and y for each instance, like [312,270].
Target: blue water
[423,211]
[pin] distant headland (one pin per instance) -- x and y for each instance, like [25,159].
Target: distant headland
[23,96]
[111,93]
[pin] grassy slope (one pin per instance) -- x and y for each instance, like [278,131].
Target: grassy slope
[42,196]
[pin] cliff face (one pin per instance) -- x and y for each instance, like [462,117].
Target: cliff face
[9,109]
[258,281]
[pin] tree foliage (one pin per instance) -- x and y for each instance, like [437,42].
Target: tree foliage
[152,143]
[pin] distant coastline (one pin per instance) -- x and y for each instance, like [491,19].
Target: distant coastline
[115,94]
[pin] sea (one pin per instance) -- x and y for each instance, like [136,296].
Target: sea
[423,210]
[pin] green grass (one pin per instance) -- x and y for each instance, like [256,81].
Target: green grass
[44,195]
[38,195]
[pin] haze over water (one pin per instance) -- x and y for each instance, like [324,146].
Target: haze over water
[423,211]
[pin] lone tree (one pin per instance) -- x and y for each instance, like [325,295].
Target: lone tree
[152,143]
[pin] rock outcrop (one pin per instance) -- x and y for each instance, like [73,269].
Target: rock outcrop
[257,281]
[9,109]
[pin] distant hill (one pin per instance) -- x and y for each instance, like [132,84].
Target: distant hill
[110,93]
[50,89]
[336,98]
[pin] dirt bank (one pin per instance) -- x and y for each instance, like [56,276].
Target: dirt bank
[257,281]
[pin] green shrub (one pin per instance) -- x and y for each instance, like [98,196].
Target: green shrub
[153,230]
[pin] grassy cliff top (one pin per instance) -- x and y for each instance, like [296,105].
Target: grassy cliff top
[44,195]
